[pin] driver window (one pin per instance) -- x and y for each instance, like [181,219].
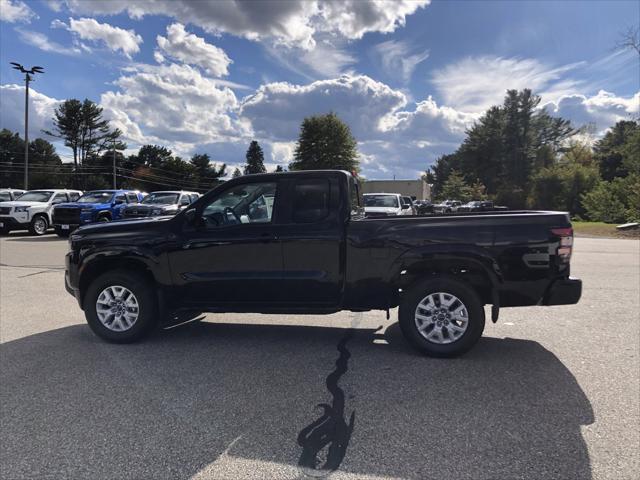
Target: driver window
[249,203]
[59,198]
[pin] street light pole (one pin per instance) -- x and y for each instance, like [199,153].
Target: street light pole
[115,187]
[27,78]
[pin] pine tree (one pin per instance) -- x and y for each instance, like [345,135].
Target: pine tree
[255,159]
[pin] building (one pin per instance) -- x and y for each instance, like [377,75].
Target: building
[416,189]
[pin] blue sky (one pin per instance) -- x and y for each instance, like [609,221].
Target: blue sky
[408,76]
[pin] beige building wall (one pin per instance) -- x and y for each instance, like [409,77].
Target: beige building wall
[411,188]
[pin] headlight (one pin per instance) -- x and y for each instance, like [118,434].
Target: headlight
[21,209]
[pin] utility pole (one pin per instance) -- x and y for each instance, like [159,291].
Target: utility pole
[27,78]
[115,187]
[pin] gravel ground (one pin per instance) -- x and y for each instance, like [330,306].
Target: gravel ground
[548,393]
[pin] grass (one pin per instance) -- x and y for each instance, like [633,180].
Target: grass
[601,229]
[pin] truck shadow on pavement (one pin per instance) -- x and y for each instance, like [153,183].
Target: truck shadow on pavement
[208,398]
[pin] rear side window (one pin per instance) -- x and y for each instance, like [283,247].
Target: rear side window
[310,200]
[184,200]
[132,198]
[194,197]
[74,196]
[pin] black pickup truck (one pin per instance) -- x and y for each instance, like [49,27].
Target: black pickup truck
[298,242]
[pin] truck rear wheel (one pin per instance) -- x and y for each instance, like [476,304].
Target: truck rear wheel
[121,307]
[441,317]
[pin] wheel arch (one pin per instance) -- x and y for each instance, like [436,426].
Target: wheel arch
[471,266]
[100,266]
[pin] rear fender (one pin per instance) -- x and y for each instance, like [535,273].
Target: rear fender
[473,264]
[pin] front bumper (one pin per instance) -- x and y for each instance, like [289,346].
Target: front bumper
[70,278]
[14,223]
[564,291]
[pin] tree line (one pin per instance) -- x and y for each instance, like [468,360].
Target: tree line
[516,154]
[520,156]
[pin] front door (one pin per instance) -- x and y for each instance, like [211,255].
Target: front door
[230,256]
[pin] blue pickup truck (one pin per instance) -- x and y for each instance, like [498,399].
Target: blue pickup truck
[94,206]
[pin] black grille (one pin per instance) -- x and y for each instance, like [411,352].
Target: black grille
[66,216]
[5,210]
[134,212]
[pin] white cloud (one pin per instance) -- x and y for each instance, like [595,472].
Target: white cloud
[277,109]
[13,11]
[293,23]
[354,18]
[602,110]
[475,84]
[41,41]
[55,5]
[174,105]
[282,152]
[41,109]
[193,50]
[397,58]
[114,38]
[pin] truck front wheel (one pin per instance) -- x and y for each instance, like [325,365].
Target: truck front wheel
[441,317]
[39,225]
[121,307]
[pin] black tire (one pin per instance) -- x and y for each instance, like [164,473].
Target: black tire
[147,302]
[104,218]
[60,232]
[449,285]
[34,228]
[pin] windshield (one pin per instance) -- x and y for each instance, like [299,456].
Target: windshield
[96,197]
[381,201]
[36,196]
[161,198]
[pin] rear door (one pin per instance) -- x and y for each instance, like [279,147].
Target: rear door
[312,242]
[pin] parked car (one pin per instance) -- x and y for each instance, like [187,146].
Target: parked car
[385,205]
[479,206]
[423,207]
[315,252]
[160,203]
[9,194]
[94,206]
[409,201]
[448,206]
[32,210]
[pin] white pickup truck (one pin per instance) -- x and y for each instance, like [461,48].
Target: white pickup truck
[32,211]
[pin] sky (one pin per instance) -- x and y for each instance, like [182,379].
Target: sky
[408,77]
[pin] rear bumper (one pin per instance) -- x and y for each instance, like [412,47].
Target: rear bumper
[564,291]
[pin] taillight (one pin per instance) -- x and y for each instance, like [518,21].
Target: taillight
[566,243]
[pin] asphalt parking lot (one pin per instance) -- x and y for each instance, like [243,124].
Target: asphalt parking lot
[548,393]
